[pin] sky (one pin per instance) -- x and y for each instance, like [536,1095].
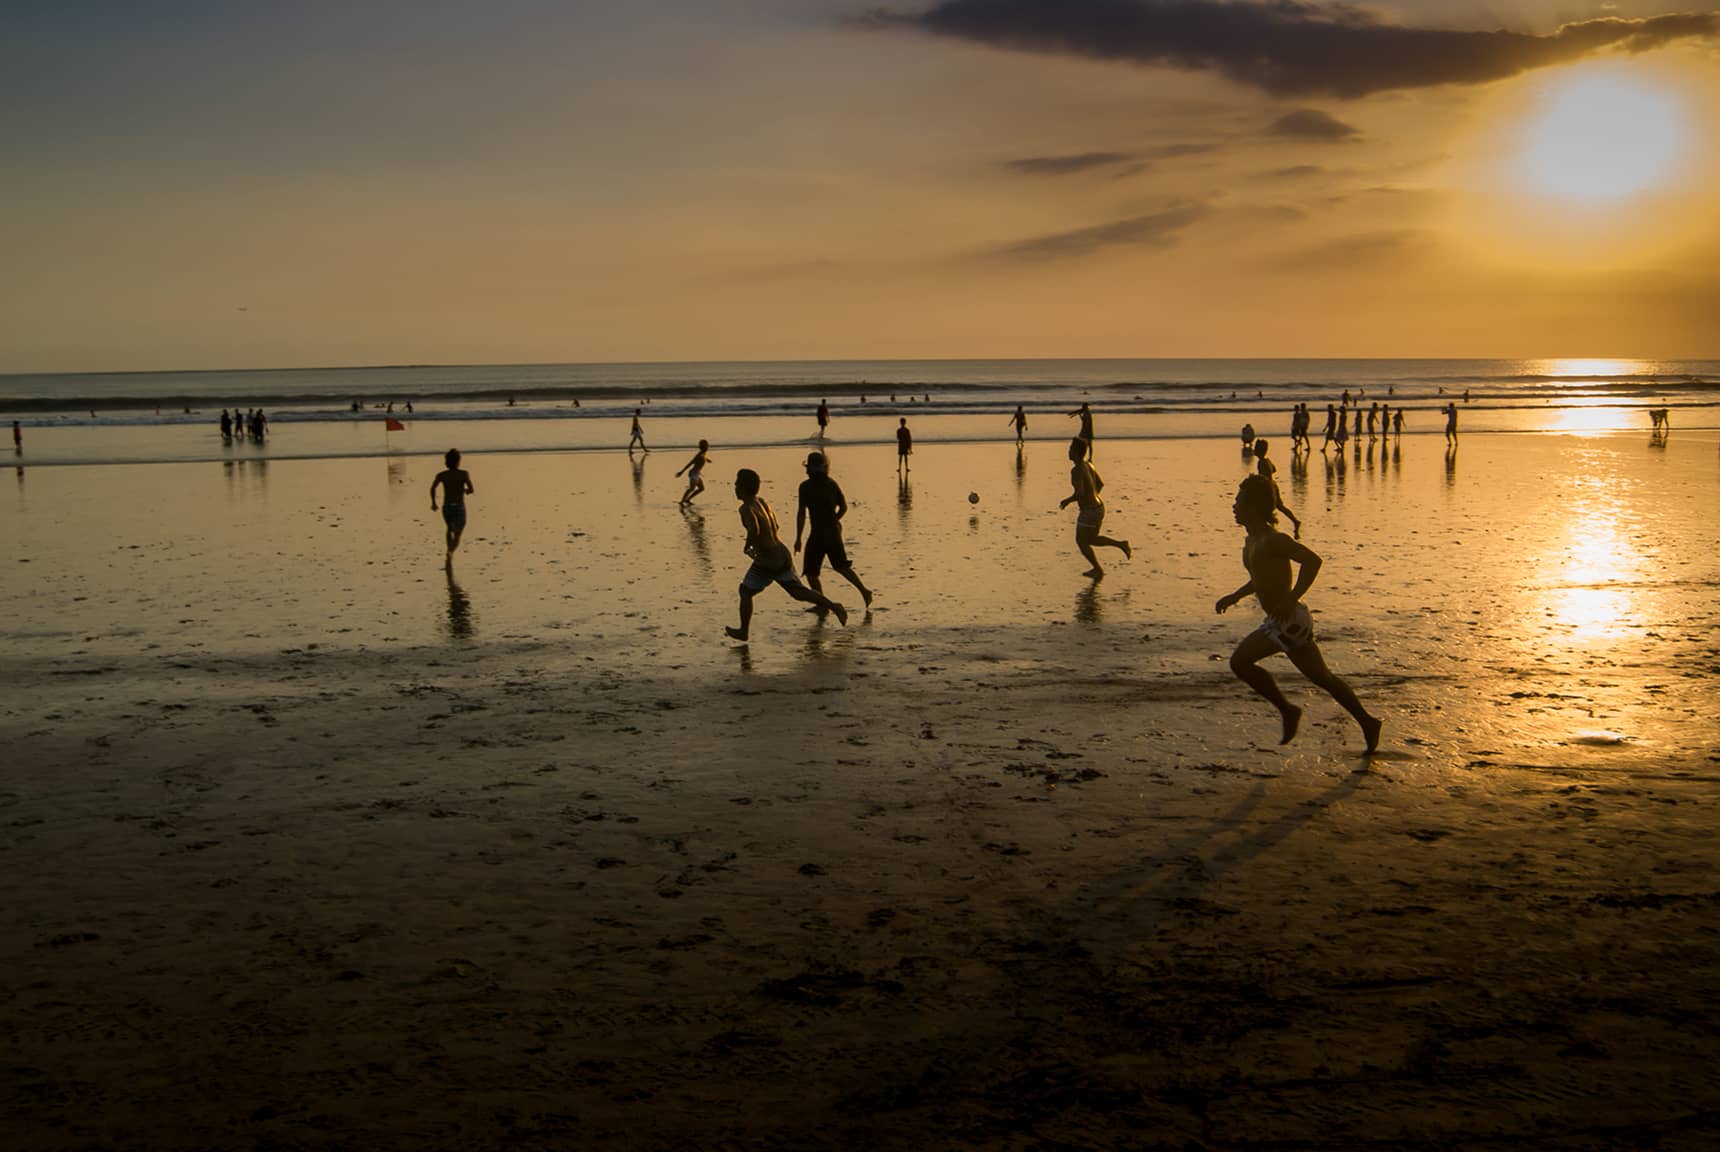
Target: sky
[215,185]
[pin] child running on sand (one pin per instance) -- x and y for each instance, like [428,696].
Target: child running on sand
[1269,470]
[1289,629]
[822,502]
[455,483]
[1084,479]
[771,559]
[695,470]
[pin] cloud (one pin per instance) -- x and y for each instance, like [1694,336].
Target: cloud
[1128,162]
[1294,172]
[1284,47]
[1154,230]
[1311,124]
[1394,248]
[1065,165]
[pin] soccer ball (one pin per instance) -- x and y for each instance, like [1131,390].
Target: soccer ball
[973,497]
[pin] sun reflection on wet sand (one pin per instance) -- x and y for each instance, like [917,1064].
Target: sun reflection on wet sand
[1593,597]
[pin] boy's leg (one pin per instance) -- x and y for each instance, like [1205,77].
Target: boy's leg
[1312,664]
[806,595]
[1120,545]
[746,616]
[853,578]
[1245,662]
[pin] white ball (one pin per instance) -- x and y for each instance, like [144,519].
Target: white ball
[973,497]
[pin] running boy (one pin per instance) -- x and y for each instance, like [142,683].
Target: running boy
[456,484]
[1267,554]
[695,470]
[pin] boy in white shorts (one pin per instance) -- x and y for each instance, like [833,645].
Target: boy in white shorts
[1288,628]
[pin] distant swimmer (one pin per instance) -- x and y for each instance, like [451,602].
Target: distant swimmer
[695,470]
[821,501]
[823,417]
[456,485]
[1451,423]
[1268,469]
[637,436]
[1087,486]
[904,445]
[1268,554]
[1019,422]
[771,559]
[1086,433]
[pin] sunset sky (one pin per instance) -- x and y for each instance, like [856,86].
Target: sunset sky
[414,181]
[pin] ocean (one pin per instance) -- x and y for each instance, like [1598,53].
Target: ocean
[325,412]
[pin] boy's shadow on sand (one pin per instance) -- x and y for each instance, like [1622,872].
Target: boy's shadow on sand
[1108,915]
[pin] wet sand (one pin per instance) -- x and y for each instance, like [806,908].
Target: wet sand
[310,847]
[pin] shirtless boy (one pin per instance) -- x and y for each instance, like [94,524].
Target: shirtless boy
[771,559]
[1084,479]
[455,483]
[822,502]
[1289,629]
[695,470]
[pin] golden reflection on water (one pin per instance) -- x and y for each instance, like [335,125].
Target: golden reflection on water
[1591,419]
[1578,367]
[1593,598]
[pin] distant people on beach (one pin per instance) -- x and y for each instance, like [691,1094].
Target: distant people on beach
[1086,488]
[1019,422]
[456,485]
[1451,423]
[1373,417]
[1085,435]
[904,445]
[226,426]
[1247,439]
[1331,426]
[636,436]
[1267,555]
[1659,420]
[1397,421]
[823,417]
[1268,469]
[821,502]
[771,559]
[695,472]
[17,437]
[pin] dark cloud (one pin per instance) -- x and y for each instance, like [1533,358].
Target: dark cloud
[1285,47]
[1064,165]
[1294,172]
[1126,163]
[1311,124]
[1396,247]
[1154,230]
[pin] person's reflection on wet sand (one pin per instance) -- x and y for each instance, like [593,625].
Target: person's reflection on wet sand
[1450,465]
[696,530]
[1087,604]
[638,465]
[459,609]
[1020,468]
[904,499]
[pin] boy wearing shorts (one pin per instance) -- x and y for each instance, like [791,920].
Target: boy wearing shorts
[455,483]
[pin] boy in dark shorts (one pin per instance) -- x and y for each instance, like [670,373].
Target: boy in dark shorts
[455,484]
[772,561]
[822,502]
[1289,628]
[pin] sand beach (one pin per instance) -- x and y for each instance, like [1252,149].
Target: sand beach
[311,844]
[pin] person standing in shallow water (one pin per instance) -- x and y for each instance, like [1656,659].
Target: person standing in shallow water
[771,559]
[1084,479]
[1268,554]
[822,502]
[1019,420]
[904,445]
[695,470]
[823,417]
[456,484]
[1451,423]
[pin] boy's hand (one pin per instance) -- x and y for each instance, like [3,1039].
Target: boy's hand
[1224,604]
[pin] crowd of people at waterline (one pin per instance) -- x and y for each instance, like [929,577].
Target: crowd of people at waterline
[1280,568]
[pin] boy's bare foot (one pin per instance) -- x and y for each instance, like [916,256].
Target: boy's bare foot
[841,613]
[1095,573]
[1371,730]
[1292,716]
[866,597]
[1128,552]
[734,633]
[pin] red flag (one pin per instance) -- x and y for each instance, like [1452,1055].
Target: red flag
[393,425]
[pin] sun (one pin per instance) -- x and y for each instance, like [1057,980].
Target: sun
[1601,137]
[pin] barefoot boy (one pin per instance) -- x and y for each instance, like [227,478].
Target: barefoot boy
[771,558]
[1267,555]
[695,470]
[455,484]
[1086,485]
[822,502]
